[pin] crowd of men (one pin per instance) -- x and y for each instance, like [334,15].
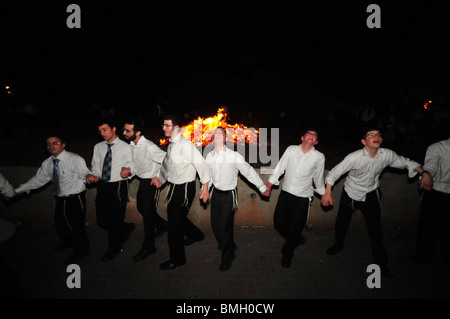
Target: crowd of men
[116,161]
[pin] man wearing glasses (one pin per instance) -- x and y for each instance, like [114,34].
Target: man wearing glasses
[361,191]
[67,171]
[179,168]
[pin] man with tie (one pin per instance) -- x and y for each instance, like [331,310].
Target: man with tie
[179,168]
[67,171]
[112,164]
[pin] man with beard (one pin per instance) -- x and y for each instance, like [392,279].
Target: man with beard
[179,168]
[361,191]
[147,158]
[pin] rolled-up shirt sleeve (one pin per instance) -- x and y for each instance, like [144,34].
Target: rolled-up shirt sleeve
[274,179]
[196,158]
[397,161]
[432,159]
[318,177]
[340,169]
[96,163]
[249,173]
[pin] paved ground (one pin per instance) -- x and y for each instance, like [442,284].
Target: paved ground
[256,273]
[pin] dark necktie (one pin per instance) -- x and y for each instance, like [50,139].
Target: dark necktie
[165,165]
[56,186]
[106,171]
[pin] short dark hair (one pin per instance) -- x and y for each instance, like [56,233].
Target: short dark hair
[175,119]
[367,130]
[138,124]
[58,136]
[108,121]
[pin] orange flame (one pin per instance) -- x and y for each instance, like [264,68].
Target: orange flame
[237,133]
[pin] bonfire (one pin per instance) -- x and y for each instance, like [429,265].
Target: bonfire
[201,130]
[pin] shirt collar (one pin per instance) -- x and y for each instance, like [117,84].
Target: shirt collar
[139,143]
[310,151]
[61,155]
[113,141]
[176,138]
[365,153]
[224,149]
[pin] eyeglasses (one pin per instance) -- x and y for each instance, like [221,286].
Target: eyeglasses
[166,125]
[53,143]
[374,135]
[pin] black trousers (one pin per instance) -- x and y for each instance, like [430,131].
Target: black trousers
[111,203]
[371,211]
[70,221]
[289,220]
[180,198]
[222,221]
[146,205]
[432,227]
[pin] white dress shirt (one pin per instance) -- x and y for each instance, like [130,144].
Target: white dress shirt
[121,157]
[364,171]
[147,158]
[6,189]
[225,167]
[73,171]
[301,170]
[185,162]
[437,162]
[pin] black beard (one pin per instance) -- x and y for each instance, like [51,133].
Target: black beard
[131,138]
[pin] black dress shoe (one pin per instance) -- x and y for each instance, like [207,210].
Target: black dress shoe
[190,241]
[160,232]
[144,253]
[286,262]
[111,254]
[76,257]
[61,246]
[333,250]
[225,265]
[169,265]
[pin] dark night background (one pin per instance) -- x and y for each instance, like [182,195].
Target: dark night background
[273,64]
